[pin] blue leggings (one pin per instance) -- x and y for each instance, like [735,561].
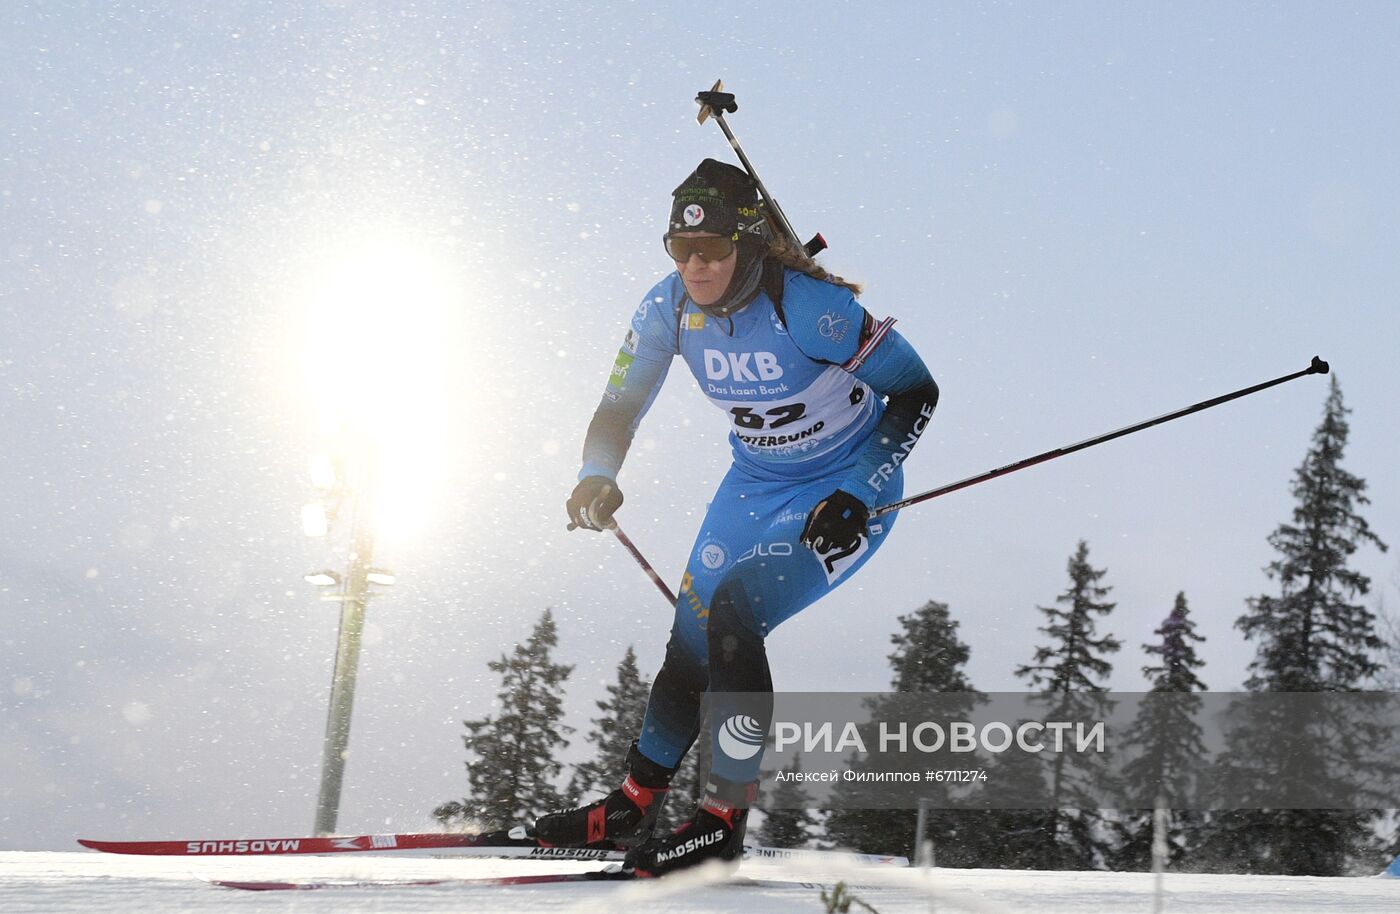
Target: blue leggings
[747,574]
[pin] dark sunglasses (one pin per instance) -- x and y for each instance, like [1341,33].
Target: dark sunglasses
[680,247]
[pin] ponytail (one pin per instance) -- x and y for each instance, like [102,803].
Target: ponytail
[793,257]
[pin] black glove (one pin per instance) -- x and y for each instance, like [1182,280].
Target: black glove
[593,503]
[837,522]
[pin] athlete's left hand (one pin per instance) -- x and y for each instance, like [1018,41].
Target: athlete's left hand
[837,522]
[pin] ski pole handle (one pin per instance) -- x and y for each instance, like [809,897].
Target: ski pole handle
[716,103]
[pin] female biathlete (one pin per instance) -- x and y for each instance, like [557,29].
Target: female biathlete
[825,403]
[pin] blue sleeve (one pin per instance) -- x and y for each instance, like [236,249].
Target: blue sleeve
[829,325]
[892,369]
[635,379]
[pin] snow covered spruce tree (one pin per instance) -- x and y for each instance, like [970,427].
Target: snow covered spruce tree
[1313,635]
[613,732]
[1071,669]
[928,657]
[787,819]
[1166,739]
[516,752]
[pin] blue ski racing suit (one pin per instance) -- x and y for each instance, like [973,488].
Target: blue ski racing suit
[804,383]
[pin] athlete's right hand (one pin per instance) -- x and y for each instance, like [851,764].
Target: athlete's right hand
[593,503]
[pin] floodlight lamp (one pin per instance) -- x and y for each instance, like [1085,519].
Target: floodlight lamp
[325,578]
[380,576]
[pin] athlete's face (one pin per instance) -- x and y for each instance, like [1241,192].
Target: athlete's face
[706,280]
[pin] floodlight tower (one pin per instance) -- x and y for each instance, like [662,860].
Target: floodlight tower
[354,600]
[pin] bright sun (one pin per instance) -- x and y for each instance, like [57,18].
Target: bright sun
[381,308]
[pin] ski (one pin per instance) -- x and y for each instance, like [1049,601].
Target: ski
[758,852]
[611,874]
[604,875]
[508,844]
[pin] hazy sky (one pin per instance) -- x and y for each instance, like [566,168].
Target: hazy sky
[218,220]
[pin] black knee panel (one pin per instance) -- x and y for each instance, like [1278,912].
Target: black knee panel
[678,689]
[681,671]
[738,659]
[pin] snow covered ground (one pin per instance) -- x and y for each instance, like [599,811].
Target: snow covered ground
[53,883]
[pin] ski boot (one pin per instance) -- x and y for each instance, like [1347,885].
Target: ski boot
[715,832]
[624,818]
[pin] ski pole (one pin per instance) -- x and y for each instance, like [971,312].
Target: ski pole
[641,560]
[715,103]
[1318,366]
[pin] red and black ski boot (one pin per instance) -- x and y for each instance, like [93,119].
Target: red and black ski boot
[624,818]
[715,832]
